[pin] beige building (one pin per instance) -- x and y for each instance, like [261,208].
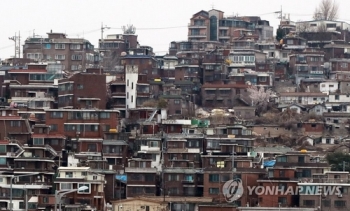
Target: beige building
[160,203]
[74,53]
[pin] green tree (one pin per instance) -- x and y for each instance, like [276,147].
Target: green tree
[337,159]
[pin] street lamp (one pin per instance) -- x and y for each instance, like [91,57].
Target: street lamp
[59,194]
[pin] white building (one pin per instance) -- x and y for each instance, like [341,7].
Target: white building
[131,77]
[339,98]
[316,24]
[304,98]
[329,86]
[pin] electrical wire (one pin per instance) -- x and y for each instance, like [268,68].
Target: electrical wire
[5,47]
[172,27]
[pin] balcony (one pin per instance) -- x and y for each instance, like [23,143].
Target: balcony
[118,94]
[198,35]
[18,152]
[188,181]
[196,26]
[148,148]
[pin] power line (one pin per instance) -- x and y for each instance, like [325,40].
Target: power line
[173,27]
[5,47]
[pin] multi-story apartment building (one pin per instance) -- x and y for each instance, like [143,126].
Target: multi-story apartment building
[74,53]
[304,98]
[15,127]
[213,26]
[85,130]
[223,95]
[142,178]
[326,199]
[307,64]
[77,92]
[90,197]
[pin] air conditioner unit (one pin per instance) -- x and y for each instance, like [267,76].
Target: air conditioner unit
[174,158]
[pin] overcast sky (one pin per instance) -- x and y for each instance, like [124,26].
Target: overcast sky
[157,22]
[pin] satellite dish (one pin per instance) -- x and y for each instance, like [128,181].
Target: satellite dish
[123,54]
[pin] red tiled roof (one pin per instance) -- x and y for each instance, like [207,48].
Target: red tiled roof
[27,71]
[208,85]
[48,136]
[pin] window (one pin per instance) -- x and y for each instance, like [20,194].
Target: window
[214,177]
[235,131]
[104,115]
[3,149]
[262,79]
[60,57]
[282,186]
[132,85]
[153,144]
[282,173]
[282,200]
[301,159]
[306,173]
[336,97]
[80,86]
[57,114]
[339,203]
[53,127]
[225,177]
[69,174]
[75,46]
[66,186]
[38,141]
[282,159]
[47,46]
[15,123]
[60,46]
[326,203]
[76,57]
[176,102]
[309,203]
[213,190]
[85,185]
[34,56]
[92,147]
[21,205]
[173,177]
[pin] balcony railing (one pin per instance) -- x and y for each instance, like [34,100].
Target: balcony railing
[325,180]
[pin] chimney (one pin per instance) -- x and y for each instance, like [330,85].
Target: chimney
[51,31]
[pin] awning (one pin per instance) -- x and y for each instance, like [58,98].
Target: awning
[33,199]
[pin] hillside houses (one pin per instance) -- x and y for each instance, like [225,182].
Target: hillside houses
[141,131]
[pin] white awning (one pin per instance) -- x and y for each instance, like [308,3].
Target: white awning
[33,199]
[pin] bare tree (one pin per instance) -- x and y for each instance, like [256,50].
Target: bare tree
[326,10]
[260,97]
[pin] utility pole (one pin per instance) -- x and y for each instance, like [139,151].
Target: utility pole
[281,15]
[17,40]
[101,44]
